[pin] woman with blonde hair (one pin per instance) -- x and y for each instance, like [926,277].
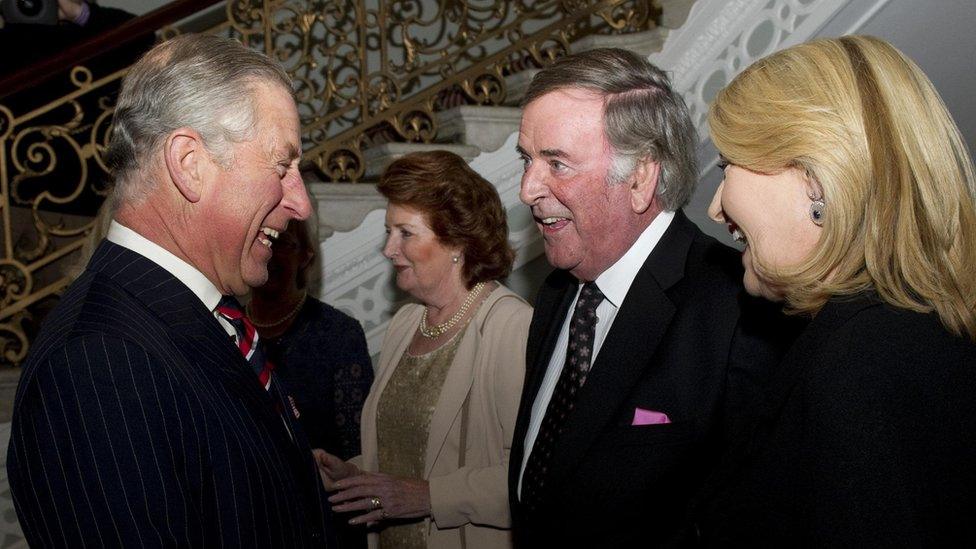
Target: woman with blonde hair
[853,192]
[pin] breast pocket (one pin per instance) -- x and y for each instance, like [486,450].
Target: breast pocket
[657,434]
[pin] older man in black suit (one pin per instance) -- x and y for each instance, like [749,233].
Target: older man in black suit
[639,350]
[138,420]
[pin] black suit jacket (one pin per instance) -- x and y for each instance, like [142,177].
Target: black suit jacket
[865,439]
[138,423]
[679,345]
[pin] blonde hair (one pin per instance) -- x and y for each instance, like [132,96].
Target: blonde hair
[867,126]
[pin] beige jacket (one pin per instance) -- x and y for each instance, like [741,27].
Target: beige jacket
[490,365]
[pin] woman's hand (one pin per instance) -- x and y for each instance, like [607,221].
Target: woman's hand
[379,496]
[333,468]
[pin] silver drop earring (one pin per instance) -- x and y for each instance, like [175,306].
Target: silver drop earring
[817,212]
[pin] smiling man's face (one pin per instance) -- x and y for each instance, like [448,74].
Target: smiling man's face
[584,220]
[256,196]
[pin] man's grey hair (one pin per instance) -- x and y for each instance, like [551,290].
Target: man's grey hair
[644,118]
[196,80]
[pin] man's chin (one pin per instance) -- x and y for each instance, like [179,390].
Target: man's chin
[255,279]
[560,261]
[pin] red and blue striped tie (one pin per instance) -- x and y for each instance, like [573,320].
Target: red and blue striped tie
[248,339]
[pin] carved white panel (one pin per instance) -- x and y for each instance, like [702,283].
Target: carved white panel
[722,37]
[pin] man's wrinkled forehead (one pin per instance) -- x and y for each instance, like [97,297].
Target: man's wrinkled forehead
[564,120]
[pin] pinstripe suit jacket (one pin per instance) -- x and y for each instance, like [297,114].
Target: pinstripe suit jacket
[138,423]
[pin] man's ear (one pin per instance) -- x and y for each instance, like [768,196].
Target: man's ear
[186,160]
[643,184]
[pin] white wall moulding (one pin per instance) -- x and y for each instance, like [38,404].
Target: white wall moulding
[722,37]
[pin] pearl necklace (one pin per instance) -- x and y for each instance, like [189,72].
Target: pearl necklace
[437,330]
[282,320]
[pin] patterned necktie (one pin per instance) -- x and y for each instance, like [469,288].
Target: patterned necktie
[582,329]
[248,340]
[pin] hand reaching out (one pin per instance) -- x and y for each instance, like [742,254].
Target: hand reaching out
[333,468]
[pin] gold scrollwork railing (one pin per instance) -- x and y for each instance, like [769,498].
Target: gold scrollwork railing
[366,72]
[375,71]
[46,162]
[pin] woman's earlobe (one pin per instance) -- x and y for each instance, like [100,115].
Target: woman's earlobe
[815,194]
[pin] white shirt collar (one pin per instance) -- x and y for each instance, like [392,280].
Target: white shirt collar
[616,280]
[199,284]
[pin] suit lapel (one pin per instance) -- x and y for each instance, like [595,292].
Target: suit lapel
[195,332]
[204,341]
[625,356]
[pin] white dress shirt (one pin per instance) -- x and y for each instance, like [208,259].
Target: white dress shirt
[199,284]
[614,283]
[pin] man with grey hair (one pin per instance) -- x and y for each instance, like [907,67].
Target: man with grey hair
[637,345]
[146,415]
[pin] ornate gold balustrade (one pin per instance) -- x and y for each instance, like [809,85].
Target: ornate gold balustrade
[375,71]
[51,175]
[366,72]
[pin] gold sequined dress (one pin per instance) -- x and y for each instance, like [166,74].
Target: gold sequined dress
[403,424]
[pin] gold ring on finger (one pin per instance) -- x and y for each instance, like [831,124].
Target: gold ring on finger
[375,502]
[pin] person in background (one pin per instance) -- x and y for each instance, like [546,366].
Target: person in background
[319,353]
[437,425]
[853,192]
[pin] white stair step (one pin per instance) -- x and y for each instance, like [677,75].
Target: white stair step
[343,206]
[484,127]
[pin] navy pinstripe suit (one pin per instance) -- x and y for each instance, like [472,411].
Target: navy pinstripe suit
[138,423]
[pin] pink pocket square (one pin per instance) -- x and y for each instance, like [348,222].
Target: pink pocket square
[649,417]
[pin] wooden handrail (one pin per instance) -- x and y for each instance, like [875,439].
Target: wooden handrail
[119,37]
